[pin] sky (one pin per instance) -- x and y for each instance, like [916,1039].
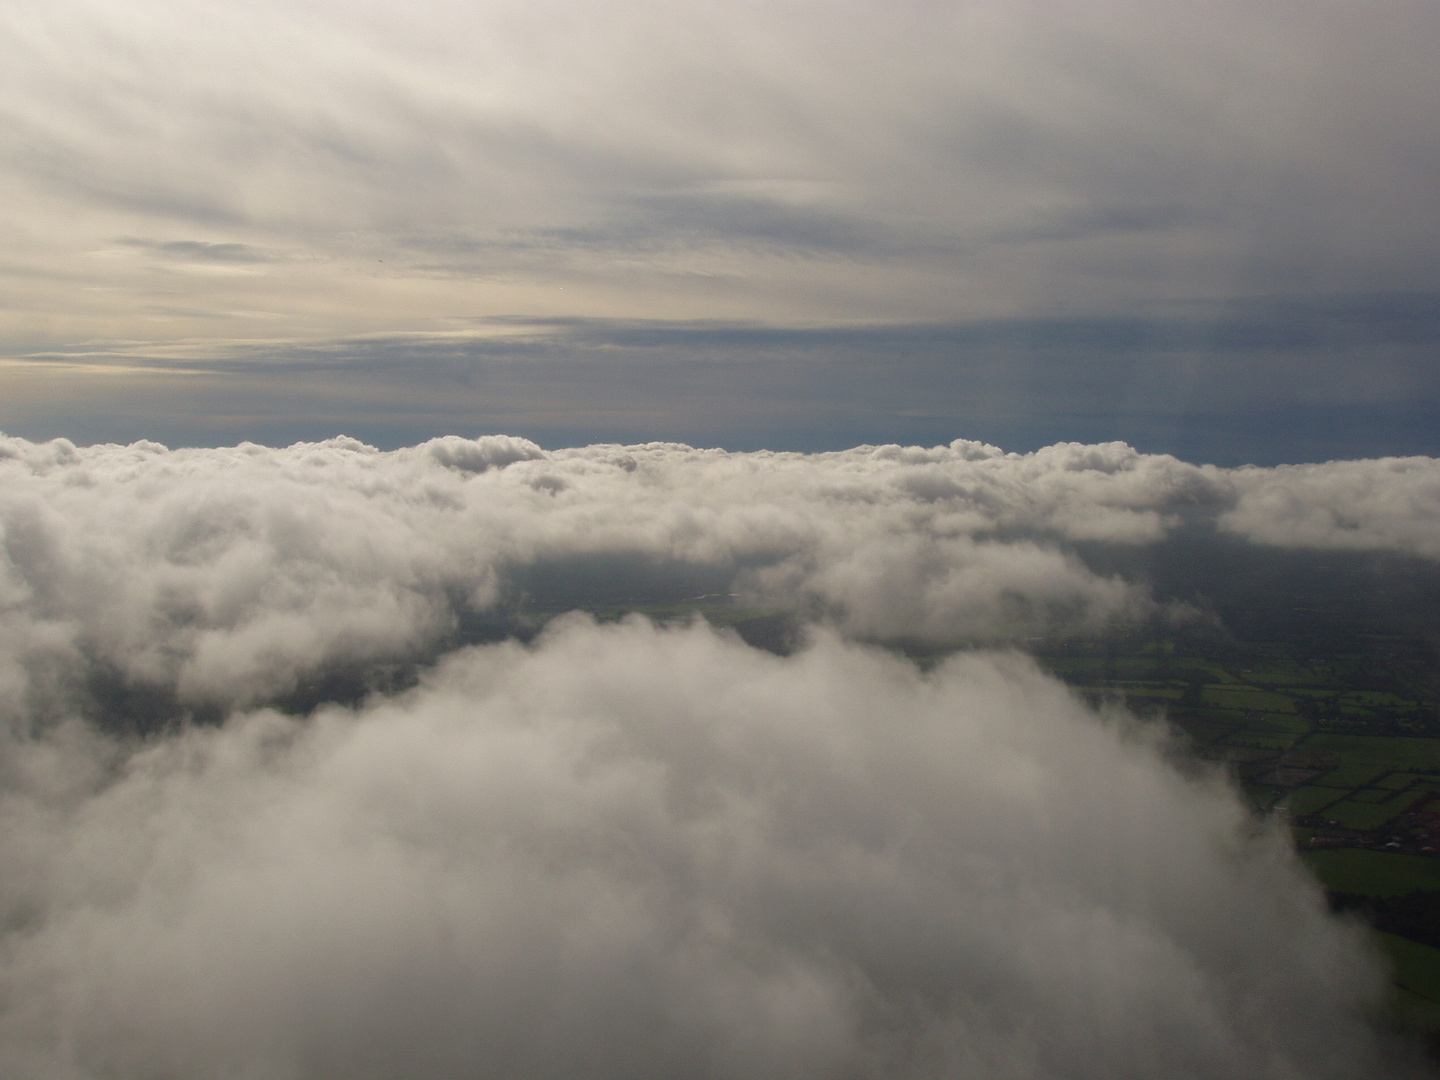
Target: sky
[1208,229]
[355,358]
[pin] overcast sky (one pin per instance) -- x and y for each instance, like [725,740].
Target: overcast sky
[1208,228]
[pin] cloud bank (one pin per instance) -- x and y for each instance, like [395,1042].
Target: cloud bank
[628,851]
[625,849]
[224,578]
[1391,504]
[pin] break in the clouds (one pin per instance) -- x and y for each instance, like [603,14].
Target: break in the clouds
[184,183]
[629,852]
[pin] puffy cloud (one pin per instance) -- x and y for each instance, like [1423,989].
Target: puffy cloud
[232,576]
[630,851]
[228,574]
[1391,504]
[627,849]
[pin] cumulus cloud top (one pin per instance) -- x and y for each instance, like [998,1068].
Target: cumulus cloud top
[627,851]
[1390,504]
[228,576]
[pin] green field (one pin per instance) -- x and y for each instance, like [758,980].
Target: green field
[1273,720]
[1345,746]
[1417,754]
[1307,800]
[1237,697]
[1358,813]
[1416,969]
[1373,873]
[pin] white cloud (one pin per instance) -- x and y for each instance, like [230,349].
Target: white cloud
[627,849]
[1390,504]
[226,577]
[632,852]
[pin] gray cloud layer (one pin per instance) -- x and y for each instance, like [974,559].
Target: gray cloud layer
[1229,383]
[794,164]
[1128,221]
[632,852]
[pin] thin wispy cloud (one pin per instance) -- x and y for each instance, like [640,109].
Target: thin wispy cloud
[802,165]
